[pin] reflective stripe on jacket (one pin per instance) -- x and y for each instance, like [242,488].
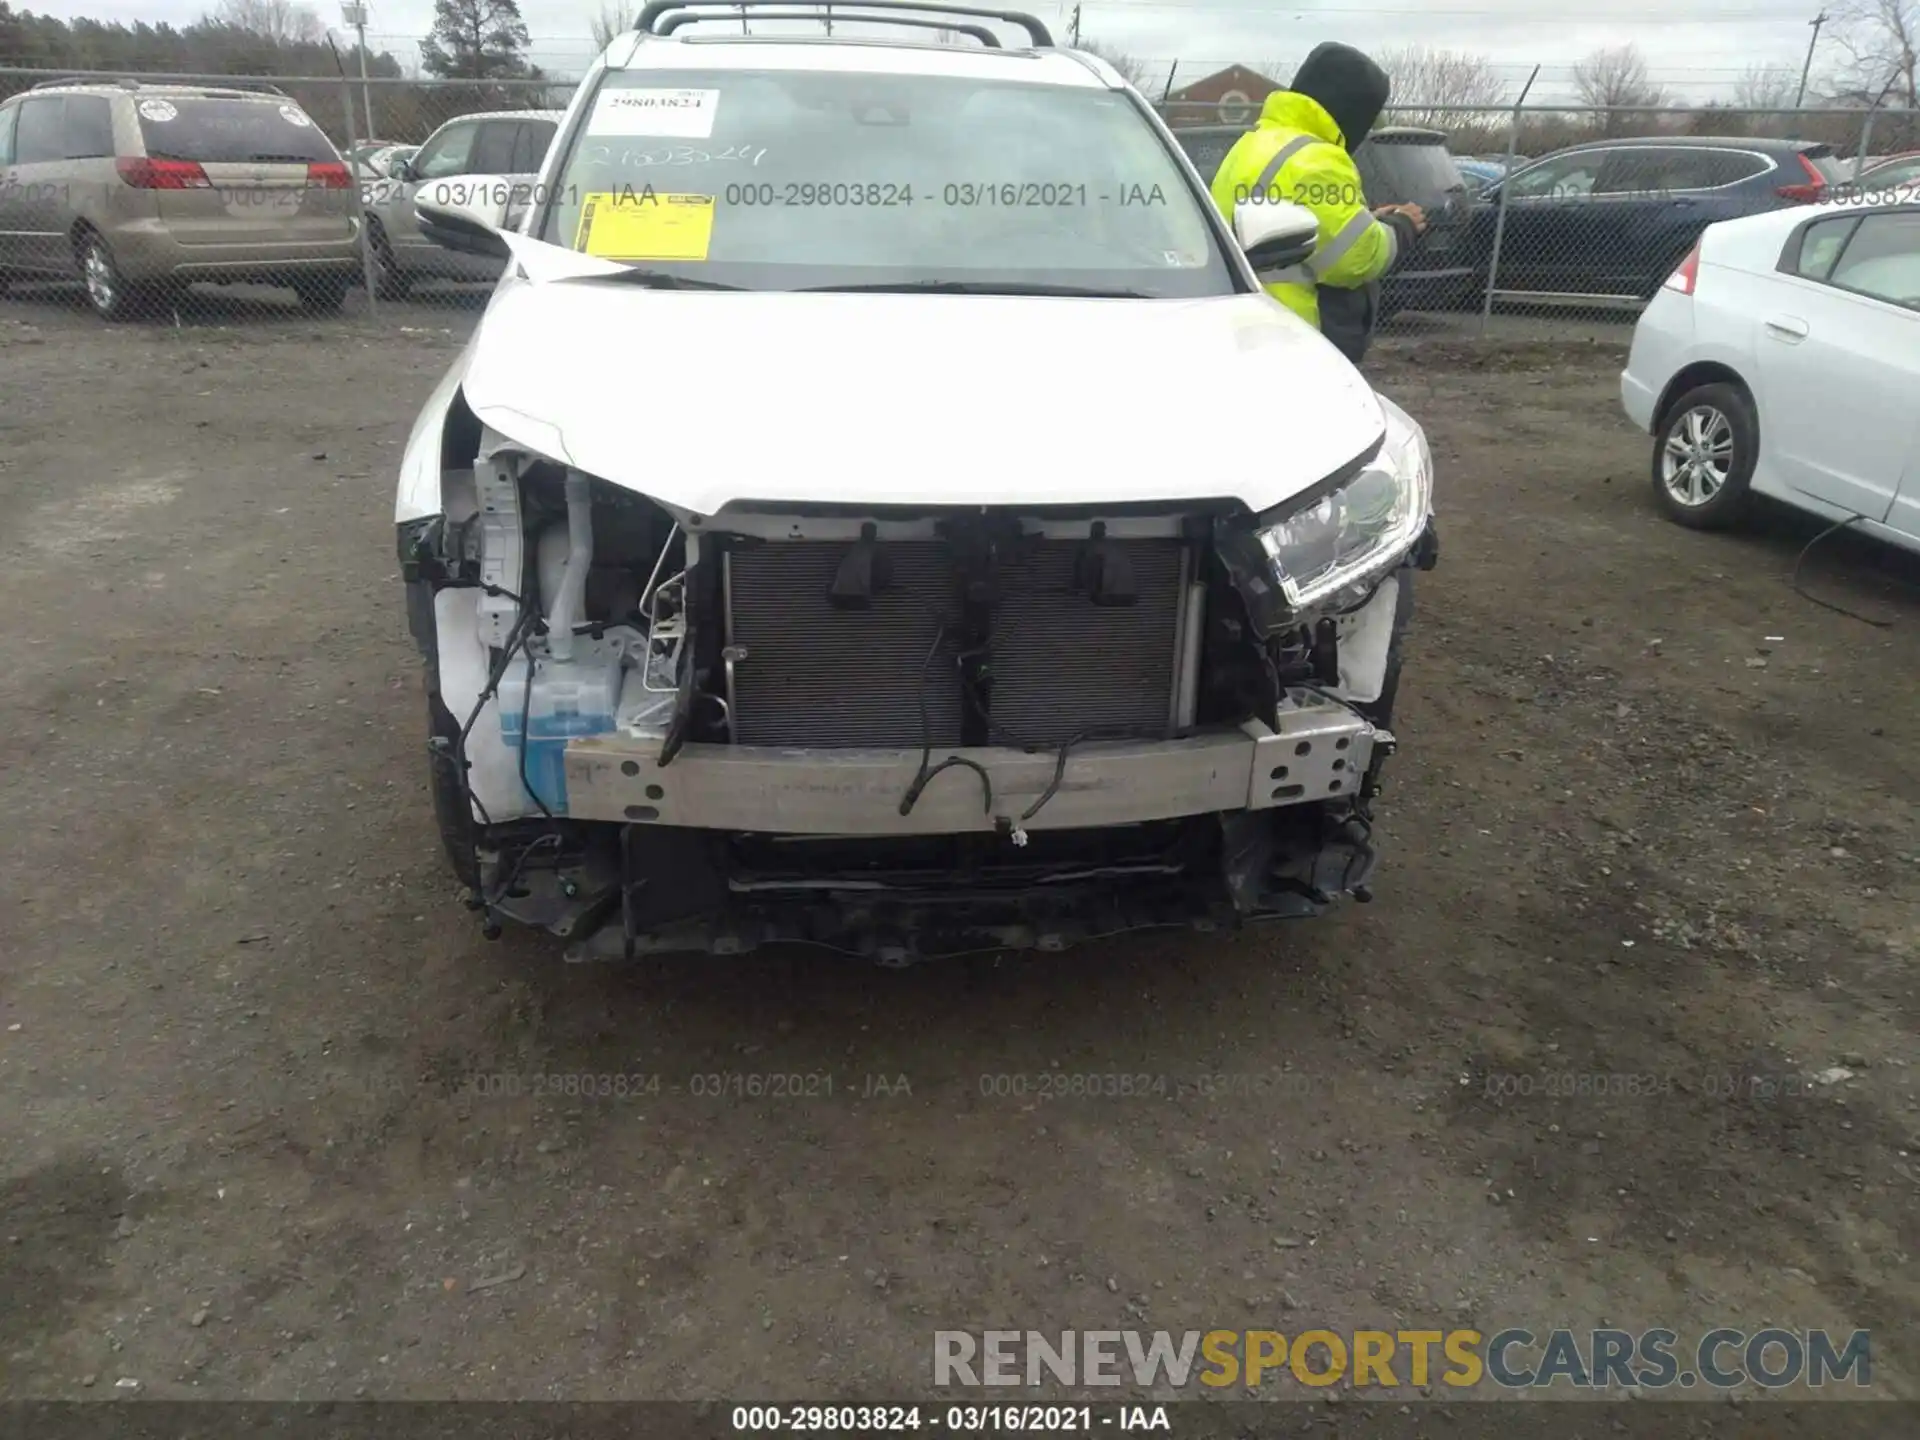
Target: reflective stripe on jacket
[1297,153]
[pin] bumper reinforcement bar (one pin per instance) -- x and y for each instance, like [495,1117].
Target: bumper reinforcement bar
[1320,750]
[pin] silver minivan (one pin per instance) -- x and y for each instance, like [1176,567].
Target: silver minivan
[139,190]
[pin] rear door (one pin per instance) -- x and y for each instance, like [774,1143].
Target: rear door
[1650,204]
[270,175]
[530,148]
[1839,362]
[90,186]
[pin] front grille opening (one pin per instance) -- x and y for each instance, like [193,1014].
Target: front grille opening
[954,642]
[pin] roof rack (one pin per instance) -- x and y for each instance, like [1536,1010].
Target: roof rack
[977,32]
[1037,31]
[248,85]
[63,80]
[135,82]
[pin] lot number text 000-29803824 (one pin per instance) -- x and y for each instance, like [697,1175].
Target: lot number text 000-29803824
[878,194]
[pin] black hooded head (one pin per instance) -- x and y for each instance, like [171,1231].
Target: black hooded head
[1351,87]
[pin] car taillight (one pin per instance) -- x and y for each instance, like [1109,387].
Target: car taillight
[328,175]
[145,174]
[1810,193]
[1688,275]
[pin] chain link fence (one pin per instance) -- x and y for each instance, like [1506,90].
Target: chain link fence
[1562,221]
[198,199]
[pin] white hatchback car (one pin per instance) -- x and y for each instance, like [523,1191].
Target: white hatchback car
[1783,359]
[880,508]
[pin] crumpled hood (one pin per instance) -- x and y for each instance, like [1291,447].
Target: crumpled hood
[702,398]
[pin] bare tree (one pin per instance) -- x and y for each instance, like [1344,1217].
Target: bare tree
[615,18]
[1615,83]
[1425,80]
[281,21]
[1762,104]
[1881,42]
[1132,70]
[1764,87]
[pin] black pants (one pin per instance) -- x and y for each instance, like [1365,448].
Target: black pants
[1347,318]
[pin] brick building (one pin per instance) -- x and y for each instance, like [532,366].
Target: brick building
[1231,96]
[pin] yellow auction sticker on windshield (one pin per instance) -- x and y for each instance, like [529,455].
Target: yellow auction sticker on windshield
[645,225]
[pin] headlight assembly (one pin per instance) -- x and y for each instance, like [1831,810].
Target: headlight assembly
[1346,539]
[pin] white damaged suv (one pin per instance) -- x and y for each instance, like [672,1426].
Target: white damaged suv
[880,509]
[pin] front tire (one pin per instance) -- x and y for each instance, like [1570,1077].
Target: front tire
[1704,455]
[458,830]
[390,282]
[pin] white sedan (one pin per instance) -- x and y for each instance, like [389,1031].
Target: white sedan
[1783,359]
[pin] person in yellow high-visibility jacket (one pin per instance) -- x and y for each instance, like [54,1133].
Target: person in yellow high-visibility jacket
[1302,150]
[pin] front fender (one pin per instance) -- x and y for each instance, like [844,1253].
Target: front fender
[425,458]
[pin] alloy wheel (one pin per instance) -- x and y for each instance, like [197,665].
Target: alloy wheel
[103,285]
[1697,459]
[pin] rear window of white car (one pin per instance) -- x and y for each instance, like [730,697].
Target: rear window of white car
[788,179]
[215,131]
[1882,259]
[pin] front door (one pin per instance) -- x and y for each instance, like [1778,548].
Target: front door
[1548,205]
[449,152]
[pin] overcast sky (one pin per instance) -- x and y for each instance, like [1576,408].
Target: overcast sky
[1698,50]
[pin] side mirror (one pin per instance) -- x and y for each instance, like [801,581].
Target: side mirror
[1276,234]
[466,213]
[401,170]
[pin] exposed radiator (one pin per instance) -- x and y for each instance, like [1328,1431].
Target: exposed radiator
[1057,665]
[815,675]
[1063,665]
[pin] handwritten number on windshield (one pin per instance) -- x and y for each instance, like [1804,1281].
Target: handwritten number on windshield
[675,155]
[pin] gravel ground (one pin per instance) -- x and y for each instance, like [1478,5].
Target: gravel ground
[1653,819]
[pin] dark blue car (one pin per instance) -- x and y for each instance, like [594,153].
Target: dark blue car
[1608,221]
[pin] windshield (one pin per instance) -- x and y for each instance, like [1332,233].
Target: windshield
[221,131]
[1895,176]
[777,180]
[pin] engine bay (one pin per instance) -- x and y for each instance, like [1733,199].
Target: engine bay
[733,723]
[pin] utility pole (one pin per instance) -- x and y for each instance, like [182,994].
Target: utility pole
[1807,69]
[354,12]
[829,20]
[1073,29]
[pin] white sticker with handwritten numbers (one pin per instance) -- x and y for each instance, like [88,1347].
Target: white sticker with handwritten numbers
[678,114]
